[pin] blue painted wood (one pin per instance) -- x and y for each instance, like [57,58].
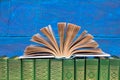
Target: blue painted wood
[16,45]
[3,31]
[25,17]
[101,18]
[13,46]
[5,13]
[109,45]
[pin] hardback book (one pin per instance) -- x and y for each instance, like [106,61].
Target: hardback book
[42,71]
[55,69]
[3,68]
[68,69]
[114,69]
[27,69]
[119,67]
[14,68]
[69,44]
[104,69]
[80,69]
[91,69]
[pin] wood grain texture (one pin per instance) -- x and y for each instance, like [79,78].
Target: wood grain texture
[13,46]
[5,14]
[100,18]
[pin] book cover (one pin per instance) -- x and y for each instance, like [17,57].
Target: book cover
[114,69]
[80,69]
[27,69]
[68,69]
[104,69]
[42,69]
[3,68]
[91,69]
[56,69]
[14,68]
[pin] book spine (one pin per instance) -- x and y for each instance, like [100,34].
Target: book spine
[103,69]
[42,69]
[114,69]
[27,69]
[55,69]
[3,69]
[91,69]
[119,68]
[68,69]
[14,69]
[80,69]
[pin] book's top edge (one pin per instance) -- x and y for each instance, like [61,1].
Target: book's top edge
[92,55]
[23,57]
[75,55]
[4,57]
[14,57]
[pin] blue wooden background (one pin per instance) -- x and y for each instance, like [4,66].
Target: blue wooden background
[20,19]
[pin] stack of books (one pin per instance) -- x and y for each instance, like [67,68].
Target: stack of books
[59,69]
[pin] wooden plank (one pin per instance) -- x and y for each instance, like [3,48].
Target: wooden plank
[28,69]
[24,24]
[27,18]
[109,45]
[3,30]
[91,69]
[5,6]
[5,12]
[13,46]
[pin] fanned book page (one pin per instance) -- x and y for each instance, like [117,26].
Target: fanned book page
[69,44]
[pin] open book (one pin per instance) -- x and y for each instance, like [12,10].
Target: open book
[68,45]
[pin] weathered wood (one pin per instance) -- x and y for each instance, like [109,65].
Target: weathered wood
[100,18]
[5,14]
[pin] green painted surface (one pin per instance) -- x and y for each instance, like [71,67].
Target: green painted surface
[55,69]
[104,69]
[3,69]
[27,69]
[80,69]
[114,69]
[59,69]
[91,69]
[68,69]
[41,69]
[14,69]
